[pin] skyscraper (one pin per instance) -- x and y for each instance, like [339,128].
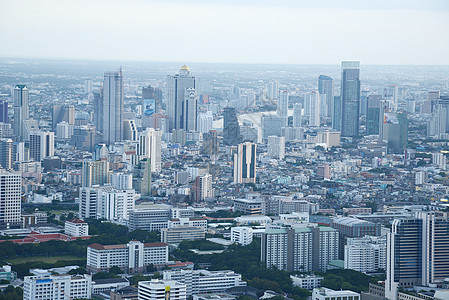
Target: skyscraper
[297,115]
[282,110]
[245,163]
[112,107]
[326,90]
[182,104]
[63,113]
[7,156]
[395,132]
[21,111]
[42,145]
[205,122]
[231,127]
[151,103]
[373,118]
[10,199]
[350,98]
[210,143]
[95,173]
[336,115]
[3,111]
[150,148]
[313,99]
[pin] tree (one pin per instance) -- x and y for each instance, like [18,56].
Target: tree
[115,270]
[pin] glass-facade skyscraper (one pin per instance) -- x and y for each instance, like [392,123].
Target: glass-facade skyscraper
[326,89]
[21,111]
[350,98]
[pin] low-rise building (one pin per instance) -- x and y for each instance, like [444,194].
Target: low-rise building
[308,282]
[253,219]
[162,289]
[248,206]
[202,281]
[132,257]
[108,284]
[328,294]
[126,293]
[76,227]
[57,287]
[242,235]
[192,222]
[179,234]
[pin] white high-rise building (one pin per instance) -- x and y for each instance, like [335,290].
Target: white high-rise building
[122,181]
[64,130]
[297,115]
[42,145]
[162,289]
[112,107]
[202,189]
[21,111]
[205,122]
[313,101]
[366,254]
[282,110]
[10,199]
[150,148]
[115,205]
[242,235]
[276,147]
[179,112]
[273,90]
[88,202]
[57,287]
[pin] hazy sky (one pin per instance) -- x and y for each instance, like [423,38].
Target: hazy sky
[262,31]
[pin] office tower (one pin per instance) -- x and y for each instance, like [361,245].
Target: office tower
[313,100]
[21,111]
[150,148]
[417,252]
[162,289]
[63,113]
[111,107]
[395,132]
[42,145]
[276,147]
[98,111]
[271,125]
[326,90]
[180,113]
[95,173]
[426,106]
[373,117]
[245,163]
[300,249]
[205,122]
[202,188]
[130,132]
[273,90]
[350,98]
[10,199]
[250,134]
[231,127]
[297,115]
[3,111]
[7,156]
[210,143]
[151,104]
[282,109]
[438,123]
[336,116]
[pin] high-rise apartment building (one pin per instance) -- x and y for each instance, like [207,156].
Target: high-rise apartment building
[336,115]
[276,147]
[373,117]
[21,111]
[282,109]
[297,115]
[205,122]
[245,163]
[63,113]
[7,153]
[95,172]
[313,101]
[350,98]
[326,90]
[42,145]
[395,132]
[182,100]
[3,111]
[150,148]
[110,107]
[10,199]
[231,127]
[417,252]
[202,188]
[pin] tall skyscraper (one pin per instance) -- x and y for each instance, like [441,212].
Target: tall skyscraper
[326,90]
[373,117]
[150,148]
[313,99]
[7,156]
[210,143]
[21,111]
[205,122]
[10,199]
[276,147]
[273,90]
[95,173]
[438,123]
[182,100]
[417,252]
[3,111]
[395,132]
[112,107]
[231,127]
[282,110]
[63,113]
[245,163]
[297,115]
[336,115]
[350,98]
[202,188]
[42,145]
[151,103]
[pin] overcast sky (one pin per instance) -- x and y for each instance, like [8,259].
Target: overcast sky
[252,31]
